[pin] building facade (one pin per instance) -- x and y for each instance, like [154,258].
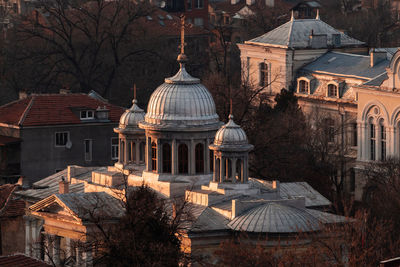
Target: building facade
[46,133]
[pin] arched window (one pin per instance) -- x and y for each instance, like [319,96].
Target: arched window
[228,172]
[332,90]
[211,161]
[239,169]
[166,151]
[199,151]
[303,86]
[122,154]
[154,156]
[141,151]
[132,151]
[263,74]
[183,155]
[382,132]
[217,171]
[372,140]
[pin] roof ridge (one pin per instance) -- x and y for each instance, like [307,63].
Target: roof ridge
[25,113]
[15,101]
[290,32]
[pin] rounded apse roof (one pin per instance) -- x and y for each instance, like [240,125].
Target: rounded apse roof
[181,102]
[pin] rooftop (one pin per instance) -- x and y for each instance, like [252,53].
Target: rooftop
[21,260]
[296,34]
[53,109]
[345,64]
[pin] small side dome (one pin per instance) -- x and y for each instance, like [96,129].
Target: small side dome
[131,117]
[230,135]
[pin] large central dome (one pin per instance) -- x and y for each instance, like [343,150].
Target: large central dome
[183,103]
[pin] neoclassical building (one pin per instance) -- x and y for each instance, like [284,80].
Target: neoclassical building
[378,118]
[326,70]
[190,154]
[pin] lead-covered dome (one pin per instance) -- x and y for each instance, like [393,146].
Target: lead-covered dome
[131,117]
[181,102]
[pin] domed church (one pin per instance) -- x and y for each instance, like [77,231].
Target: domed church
[180,148]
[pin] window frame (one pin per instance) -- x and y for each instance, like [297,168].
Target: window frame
[306,82]
[67,139]
[90,153]
[328,92]
[199,4]
[86,112]
[113,146]
[263,73]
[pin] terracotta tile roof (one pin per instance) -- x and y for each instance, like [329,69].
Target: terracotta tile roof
[5,193]
[21,261]
[52,109]
[4,140]
[10,207]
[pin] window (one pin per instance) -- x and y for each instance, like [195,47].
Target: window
[199,153]
[141,151]
[303,87]
[372,141]
[189,4]
[354,134]
[87,114]
[132,151]
[383,142]
[198,21]
[114,148]
[88,149]
[332,90]
[211,161]
[166,150]
[198,3]
[329,127]
[154,156]
[263,74]
[62,138]
[226,20]
[183,156]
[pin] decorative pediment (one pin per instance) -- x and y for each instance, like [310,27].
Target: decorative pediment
[52,206]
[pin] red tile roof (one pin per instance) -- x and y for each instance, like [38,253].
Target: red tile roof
[10,207]
[21,261]
[52,109]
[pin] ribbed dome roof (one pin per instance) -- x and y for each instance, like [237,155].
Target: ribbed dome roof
[131,117]
[182,101]
[275,218]
[230,134]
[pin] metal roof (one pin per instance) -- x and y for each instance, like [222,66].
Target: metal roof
[182,101]
[231,134]
[302,189]
[207,219]
[344,64]
[377,81]
[295,34]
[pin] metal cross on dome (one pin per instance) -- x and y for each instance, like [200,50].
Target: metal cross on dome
[134,91]
[183,44]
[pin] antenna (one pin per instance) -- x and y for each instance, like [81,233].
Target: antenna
[182,45]
[134,91]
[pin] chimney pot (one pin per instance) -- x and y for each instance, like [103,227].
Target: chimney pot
[63,186]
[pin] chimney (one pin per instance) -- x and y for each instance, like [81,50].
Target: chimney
[250,2]
[234,2]
[276,185]
[65,91]
[102,113]
[63,186]
[70,173]
[376,57]
[23,94]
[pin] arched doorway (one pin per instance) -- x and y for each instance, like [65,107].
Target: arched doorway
[199,154]
[183,155]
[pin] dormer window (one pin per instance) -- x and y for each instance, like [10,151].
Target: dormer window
[333,90]
[303,85]
[87,114]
